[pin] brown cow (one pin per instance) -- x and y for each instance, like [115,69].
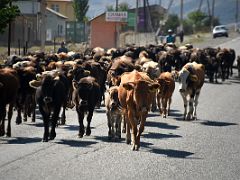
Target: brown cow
[191,79]
[114,113]
[164,95]
[135,95]
[9,84]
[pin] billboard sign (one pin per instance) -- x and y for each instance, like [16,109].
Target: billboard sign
[117,16]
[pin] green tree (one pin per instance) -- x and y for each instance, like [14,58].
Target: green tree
[7,13]
[196,18]
[80,9]
[171,23]
[121,7]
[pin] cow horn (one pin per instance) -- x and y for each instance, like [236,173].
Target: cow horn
[86,73]
[35,84]
[153,87]
[193,77]
[129,85]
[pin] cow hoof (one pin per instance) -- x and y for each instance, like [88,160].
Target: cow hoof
[25,119]
[88,132]
[123,130]
[2,133]
[52,136]
[128,141]
[164,116]
[45,140]
[8,134]
[18,120]
[33,120]
[80,135]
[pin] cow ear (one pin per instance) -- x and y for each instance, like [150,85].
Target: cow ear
[129,86]
[153,87]
[86,73]
[193,78]
[35,84]
[75,84]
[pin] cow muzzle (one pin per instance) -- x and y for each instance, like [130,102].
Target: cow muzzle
[47,100]
[83,103]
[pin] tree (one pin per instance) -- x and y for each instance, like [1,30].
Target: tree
[121,7]
[80,9]
[7,13]
[196,18]
[171,23]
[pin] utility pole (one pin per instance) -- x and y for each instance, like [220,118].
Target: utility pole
[116,5]
[181,16]
[200,5]
[43,24]
[9,33]
[236,16]
[212,16]
[136,18]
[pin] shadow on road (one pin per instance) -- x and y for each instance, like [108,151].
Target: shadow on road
[22,140]
[172,153]
[106,139]
[215,123]
[76,143]
[160,136]
[160,125]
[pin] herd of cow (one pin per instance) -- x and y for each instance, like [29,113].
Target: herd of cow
[139,79]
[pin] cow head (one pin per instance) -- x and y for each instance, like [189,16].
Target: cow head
[186,76]
[142,92]
[79,72]
[113,98]
[84,88]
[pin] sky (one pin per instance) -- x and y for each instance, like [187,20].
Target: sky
[97,7]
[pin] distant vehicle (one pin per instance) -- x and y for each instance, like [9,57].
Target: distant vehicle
[219,31]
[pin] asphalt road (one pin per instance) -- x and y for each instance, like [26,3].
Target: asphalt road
[207,148]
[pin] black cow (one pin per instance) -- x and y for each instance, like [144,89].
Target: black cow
[85,96]
[51,95]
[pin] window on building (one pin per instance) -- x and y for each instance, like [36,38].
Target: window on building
[55,7]
[60,30]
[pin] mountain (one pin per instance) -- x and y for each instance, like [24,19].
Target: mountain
[225,10]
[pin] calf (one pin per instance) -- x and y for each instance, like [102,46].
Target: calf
[9,84]
[86,94]
[191,79]
[114,113]
[51,95]
[135,94]
[164,95]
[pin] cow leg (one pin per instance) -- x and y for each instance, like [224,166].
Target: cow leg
[164,107]
[46,128]
[45,116]
[33,107]
[133,124]
[63,116]
[19,116]
[185,105]
[54,122]
[141,129]
[118,126]
[89,119]
[2,120]
[190,111]
[169,104]
[195,105]
[80,120]
[154,104]
[109,125]
[10,113]
[159,103]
